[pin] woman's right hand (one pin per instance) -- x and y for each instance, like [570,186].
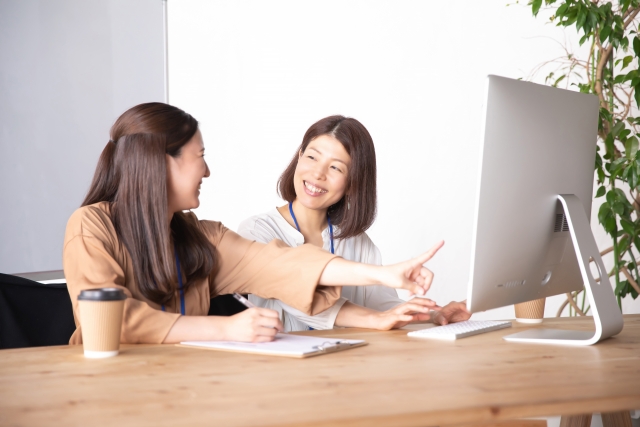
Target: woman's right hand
[414,310]
[253,325]
[356,316]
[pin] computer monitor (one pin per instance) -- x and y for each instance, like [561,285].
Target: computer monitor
[532,236]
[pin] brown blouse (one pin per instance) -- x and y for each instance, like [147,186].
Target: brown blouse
[93,257]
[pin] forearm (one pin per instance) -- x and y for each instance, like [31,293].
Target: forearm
[411,274]
[340,272]
[197,328]
[355,316]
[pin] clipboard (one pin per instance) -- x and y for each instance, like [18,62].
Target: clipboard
[286,345]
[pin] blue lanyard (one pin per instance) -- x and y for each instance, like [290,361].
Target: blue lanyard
[180,287]
[298,227]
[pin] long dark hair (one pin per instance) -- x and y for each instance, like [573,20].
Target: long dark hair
[357,213]
[132,176]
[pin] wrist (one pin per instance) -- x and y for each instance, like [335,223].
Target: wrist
[355,316]
[373,320]
[432,316]
[223,330]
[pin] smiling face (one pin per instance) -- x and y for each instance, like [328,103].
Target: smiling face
[184,175]
[321,175]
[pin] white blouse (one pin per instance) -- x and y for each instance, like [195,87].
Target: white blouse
[272,225]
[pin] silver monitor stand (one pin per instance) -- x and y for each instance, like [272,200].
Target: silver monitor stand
[606,313]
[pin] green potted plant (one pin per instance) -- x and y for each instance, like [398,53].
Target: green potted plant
[610,71]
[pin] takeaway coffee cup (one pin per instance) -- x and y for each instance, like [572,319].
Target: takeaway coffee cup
[530,311]
[101,321]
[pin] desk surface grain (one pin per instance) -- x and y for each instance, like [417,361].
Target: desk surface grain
[394,381]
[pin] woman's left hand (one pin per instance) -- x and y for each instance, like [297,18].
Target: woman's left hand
[453,312]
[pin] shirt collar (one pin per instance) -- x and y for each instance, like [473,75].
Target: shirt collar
[293,232]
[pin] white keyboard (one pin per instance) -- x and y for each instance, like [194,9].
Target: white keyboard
[453,331]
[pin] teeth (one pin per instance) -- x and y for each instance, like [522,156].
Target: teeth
[314,188]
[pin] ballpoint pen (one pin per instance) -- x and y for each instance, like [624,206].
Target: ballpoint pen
[243,300]
[247,303]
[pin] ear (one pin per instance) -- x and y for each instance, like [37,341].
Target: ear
[169,160]
[299,153]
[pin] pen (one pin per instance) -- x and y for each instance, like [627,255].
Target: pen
[243,300]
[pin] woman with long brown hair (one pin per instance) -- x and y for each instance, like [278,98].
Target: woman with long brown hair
[132,233]
[330,190]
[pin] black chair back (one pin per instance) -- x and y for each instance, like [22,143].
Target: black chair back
[33,314]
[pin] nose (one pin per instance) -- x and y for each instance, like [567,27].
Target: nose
[207,172]
[319,172]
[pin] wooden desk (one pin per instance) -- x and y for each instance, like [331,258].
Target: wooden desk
[394,381]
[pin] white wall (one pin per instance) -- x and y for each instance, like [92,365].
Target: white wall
[258,74]
[68,69]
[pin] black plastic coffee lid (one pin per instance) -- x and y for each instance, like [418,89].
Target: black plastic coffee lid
[102,294]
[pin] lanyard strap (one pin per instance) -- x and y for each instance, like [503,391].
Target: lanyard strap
[181,288]
[330,232]
[298,227]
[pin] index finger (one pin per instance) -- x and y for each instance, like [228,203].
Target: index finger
[273,316]
[430,253]
[267,312]
[423,301]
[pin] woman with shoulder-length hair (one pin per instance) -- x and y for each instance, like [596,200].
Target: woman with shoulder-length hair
[330,187]
[132,233]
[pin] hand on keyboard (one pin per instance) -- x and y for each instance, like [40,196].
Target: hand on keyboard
[451,313]
[414,310]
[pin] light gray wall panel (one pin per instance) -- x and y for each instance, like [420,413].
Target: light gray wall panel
[68,68]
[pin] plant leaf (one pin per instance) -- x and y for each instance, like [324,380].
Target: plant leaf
[617,128]
[610,225]
[621,288]
[604,33]
[535,7]
[604,212]
[623,244]
[558,80]
[631,147]
[628,226]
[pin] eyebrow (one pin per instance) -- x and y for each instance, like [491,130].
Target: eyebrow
[334,159]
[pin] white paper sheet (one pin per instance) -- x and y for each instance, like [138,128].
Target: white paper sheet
[283,345]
